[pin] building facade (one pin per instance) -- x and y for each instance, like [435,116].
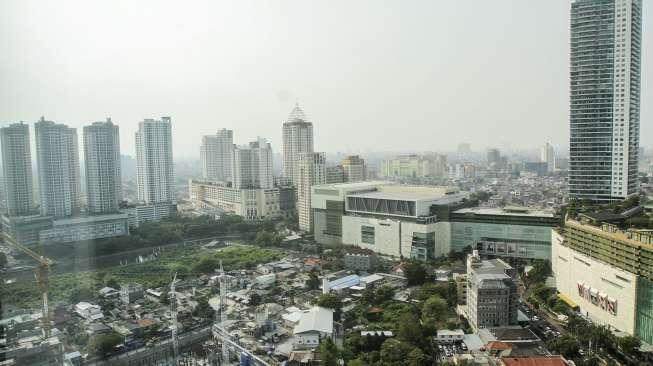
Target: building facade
[216,155]
[492,296]
[252,166]
[17,169]
[252,204]
[103,171]
[608,274]
[605,94]
[312,171]
[548,156]
[353,168]
[154,164]
[415,166]
[57,157]
[297,140]
[74,229]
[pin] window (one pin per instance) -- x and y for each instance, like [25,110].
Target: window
[367,234]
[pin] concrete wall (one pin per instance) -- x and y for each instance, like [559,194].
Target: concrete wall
[571,267]
[386,233]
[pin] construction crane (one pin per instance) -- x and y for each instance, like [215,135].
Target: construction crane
[175,316]
[40,274]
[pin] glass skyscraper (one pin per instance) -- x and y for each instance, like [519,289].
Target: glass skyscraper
[605,93]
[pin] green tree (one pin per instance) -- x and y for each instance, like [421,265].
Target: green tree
[415,273]
[357,362]
[417,358]
[112,282]
[331,301]
[254,299]
[329,353]
[165,297]
[629,344]
[566,345]
[394,352]
[3,259]
[435,308]
[103,344]
[313,281]
[410,329]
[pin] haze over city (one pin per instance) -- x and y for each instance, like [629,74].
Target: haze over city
[394,76]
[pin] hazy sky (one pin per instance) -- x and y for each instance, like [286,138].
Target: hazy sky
[371,75]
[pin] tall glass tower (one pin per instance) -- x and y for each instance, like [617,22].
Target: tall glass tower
[604,105]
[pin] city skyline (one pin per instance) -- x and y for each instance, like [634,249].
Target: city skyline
[421,96]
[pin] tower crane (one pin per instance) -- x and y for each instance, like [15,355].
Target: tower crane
[41,276]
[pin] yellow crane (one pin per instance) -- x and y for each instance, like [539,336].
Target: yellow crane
[40,274]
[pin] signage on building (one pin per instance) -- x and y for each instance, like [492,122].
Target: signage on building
[597,298]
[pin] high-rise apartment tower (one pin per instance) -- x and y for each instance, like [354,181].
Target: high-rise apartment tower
[102,162]
[154,164]
[17,169]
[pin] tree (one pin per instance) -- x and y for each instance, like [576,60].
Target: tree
[254,299]
[3,260]
[165,297]
[415,273]
[329,353]
[331,301]
[112,282]
[357,362]
[103,344]
[417,358]
[313,281]
[394,352]
[629,344]
[434,308]
[410,329]
[566,345]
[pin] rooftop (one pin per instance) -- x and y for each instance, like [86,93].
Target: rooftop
[534,361]
[507,211]
[407,193]
[317,319]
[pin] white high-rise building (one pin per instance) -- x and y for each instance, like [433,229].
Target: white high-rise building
[311,171]
[605,94]
[17,169]
[57,157]
[354,168]
[297,140]
[216,155]
[102,161]
[548,156]
[252,165]
[154,164]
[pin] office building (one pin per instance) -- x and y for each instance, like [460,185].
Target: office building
[252,165]
[297,140]
[605,94]
[17,169]
[548,156]
[335,174]
[607,273]
[138,215]
[57,157]
[250,203]
[415,166]
[216,155]
[354,168]
[103,171]
[311,171]
[80,228]
[155,177]
[492,296]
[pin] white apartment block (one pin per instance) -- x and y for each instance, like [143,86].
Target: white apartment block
[57,157]
[312,171]
[102,162]
[252,204]
[548,156]
[252,165]
[297,140]
[17,169]
[155,175]
[216,155]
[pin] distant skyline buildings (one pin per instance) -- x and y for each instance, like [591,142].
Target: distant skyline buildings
[252,165]
[154,161]
[604,104]
[17,169]
[216,155]
[103,167]
[297,140]
[548,156]
[311,170]
[57,158]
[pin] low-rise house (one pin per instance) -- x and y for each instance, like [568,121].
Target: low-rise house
[131,292]
[89,311]
[312,264]
[314,326]
[450,336]
[109,292]
[97,328]
[360,261]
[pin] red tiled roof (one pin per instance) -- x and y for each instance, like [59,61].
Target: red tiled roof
[534,361]
[497,346]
